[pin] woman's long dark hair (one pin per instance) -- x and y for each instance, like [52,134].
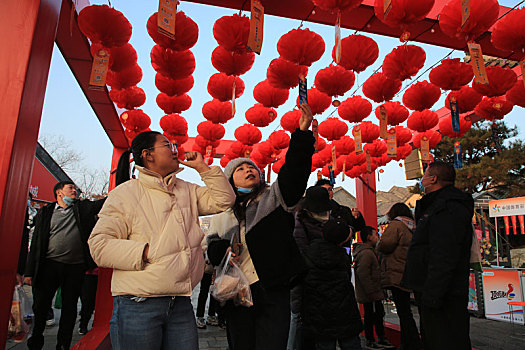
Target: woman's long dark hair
[142,141]
[399,209]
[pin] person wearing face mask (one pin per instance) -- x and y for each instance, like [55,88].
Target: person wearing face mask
[149,234]
[58,257]
[438,260]
[261,222]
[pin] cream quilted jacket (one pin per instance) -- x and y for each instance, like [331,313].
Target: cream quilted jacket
[163,213]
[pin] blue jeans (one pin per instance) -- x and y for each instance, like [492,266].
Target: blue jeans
[155,323]
[353,343]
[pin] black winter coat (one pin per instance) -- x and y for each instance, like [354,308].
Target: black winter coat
[86,216]
[341,212]
[438,259]
[329,308]
[269,226]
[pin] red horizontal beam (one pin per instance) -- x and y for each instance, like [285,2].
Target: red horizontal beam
[75,48]
[363,18]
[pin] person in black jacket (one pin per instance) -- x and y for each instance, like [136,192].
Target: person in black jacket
[437,266]
[329,306]
[58,257]
[352,217]
[261,223]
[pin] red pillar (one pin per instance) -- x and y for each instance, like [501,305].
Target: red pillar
[98,336]
[366,198]
[27,35]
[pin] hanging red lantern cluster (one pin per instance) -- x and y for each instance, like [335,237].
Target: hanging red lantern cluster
[344,146]
[433,136]
[500,79]
[354,109]
[422,121]
[174,63]
[380,88]
[403,13]
[421,95]
[223,87]
[332,129]
[493,108]
[369,131]
[403,135]
[445,126]
[260,116]
[269,96]
[334,80]
[466,97]
[516,95]
[279,139]
[301,46]
[175,128]
[451,74]
[508,32]
[290,120]
[283,74]
[396,112]
[108,29]
[404,62]
[483,14]
[248,134]
[358,52]
[375,148]
[402,152]
[317,100]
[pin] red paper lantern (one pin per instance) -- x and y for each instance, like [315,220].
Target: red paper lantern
[433,137]
[224,161]
[380,88]
[384,160]
[290,120]
[172,64]
[120,57]
[104,25]
[248,134]
[260,159]
[356,159]
[217,112]
[179,140]
[403,135]
[129,98]
[369,131]
[483,14]
[345,145]
[451,74]
[358,52]
[266,149]
[403,12]
[317,161]
[467,99]
[354,172]
[174,124]
[279,139]
[125,78]
[135,120]
[260,116]
[220,87]
[445,126]
[422,121]
[337,5]
[276,167]
[238,149]
[422,95]
[232,32]
[202,151]
[318,101]
[130,134]
[493,108]
[173,104]
[269,96]
[202,142]
[332,129]
[283,74]
[404,62]
[396,112]
[232,63]
[516,95]
[334,80]
[173,87]
[211,131]
[508,33]
[354,109]
[500,79]
[186,32]
[301,46]
[326,173]
[376,148]
[404,151]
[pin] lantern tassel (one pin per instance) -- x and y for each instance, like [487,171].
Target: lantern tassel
[233,96]
[338,38]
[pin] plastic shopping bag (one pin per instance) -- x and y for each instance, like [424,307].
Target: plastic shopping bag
[18,329]
[231,284]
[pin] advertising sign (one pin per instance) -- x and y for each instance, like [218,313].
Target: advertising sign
[507,207]
[500,287]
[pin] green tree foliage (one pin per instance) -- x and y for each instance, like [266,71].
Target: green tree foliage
[492,158]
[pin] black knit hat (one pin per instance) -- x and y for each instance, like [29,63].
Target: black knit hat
[317,200]
[335,231]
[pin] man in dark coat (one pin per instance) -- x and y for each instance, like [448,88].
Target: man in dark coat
[437,266]
[58,257]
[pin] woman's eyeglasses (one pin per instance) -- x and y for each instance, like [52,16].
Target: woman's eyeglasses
[171,146]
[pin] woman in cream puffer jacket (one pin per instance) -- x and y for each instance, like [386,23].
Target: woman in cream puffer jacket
[148,232]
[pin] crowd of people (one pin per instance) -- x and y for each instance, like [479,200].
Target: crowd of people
[292,246]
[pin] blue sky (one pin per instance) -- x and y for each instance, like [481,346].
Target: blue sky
[67,113]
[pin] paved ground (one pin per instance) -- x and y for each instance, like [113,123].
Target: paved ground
[485,334]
